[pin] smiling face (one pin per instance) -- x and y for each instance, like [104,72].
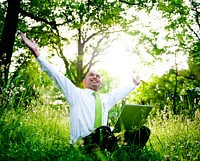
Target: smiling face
[92,80]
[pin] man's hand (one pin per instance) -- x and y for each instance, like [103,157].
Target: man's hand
[136,80]
[30,44]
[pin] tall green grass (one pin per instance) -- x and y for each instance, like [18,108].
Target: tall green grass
[40,133]
[176,137]
[43,134]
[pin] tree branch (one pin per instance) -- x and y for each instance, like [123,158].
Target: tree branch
[193,32]
[91,36]
[25,13]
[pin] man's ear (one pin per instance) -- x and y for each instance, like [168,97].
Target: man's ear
[100,85]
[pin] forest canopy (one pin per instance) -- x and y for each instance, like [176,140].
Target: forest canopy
[90,27]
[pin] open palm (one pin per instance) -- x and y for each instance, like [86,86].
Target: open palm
[30,44]
[136,80]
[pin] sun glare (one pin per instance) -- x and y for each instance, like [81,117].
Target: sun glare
[120,63]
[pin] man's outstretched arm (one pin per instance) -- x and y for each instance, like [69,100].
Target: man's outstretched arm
[30,44]
[65,84]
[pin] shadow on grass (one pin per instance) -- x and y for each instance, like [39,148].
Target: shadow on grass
[124,153]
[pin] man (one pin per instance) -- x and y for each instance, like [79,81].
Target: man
[83,105]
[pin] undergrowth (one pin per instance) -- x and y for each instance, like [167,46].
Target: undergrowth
[43,134]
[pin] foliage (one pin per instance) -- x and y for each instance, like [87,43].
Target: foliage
[178,88]
[108,82]
[45,21]
[26,85]
[58,23]
[159,92]
[194,62]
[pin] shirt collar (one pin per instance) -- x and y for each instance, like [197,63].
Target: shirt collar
[90,91]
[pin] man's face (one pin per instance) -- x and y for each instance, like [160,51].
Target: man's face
[92,80]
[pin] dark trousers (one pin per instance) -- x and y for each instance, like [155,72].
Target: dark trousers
[103,138]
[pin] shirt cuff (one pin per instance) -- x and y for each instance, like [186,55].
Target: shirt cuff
[132,86]
[41,57]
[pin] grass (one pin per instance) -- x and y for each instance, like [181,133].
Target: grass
[176,137]
[43,134]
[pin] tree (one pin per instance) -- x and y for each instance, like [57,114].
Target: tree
[91,22]
[184,21]
[7,41]
[183,33]
[159,92]
[45,20]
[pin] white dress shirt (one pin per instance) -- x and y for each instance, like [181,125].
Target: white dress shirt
[82,101]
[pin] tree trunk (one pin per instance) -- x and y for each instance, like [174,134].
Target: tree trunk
[7,41]
[175,88]
[80,59]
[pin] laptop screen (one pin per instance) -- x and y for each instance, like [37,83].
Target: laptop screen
[132,117]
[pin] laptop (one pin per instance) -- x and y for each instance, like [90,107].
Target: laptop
[132,117]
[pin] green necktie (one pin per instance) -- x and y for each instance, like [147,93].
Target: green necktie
[98,111]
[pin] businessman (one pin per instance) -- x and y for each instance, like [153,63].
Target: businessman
[89,109]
